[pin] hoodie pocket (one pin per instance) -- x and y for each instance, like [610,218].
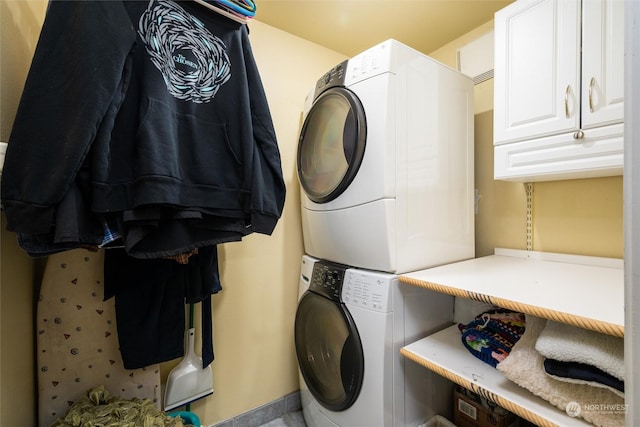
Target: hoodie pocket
[187,148]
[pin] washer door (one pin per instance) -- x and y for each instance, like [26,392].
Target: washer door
[329,351]
[331,145]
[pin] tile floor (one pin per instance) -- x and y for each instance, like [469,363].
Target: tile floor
[283,412]
[292,419]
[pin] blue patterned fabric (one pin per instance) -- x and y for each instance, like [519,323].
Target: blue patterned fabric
[492,334]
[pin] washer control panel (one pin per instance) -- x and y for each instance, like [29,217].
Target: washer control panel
[368,289]
[327,278]
[354,287]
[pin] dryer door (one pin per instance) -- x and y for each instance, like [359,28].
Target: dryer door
[331,144]
[329,351]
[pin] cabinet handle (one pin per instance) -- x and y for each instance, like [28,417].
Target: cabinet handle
[566,101]
[578,135]
[592,83]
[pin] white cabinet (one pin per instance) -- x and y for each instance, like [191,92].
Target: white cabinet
[559,89]
[587,292]
[602,63]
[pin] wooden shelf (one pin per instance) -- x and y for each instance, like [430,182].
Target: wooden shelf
[444,354]
[582,291]
[587,292]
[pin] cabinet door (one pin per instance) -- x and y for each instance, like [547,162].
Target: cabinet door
[602,62]
[537,69]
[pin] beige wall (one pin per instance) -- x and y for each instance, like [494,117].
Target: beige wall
[17,335]
[579,216]
[254,315]
[20,22]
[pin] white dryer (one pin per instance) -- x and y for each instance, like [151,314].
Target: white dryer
[385,162]
[349,328]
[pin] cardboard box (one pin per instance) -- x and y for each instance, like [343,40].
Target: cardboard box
[471,410]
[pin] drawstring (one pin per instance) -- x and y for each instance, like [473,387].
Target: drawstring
[486,318]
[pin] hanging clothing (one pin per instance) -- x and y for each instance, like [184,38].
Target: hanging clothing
[77,79]
[150,297]
[174,115]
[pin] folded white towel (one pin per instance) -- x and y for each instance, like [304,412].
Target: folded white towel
[572,344]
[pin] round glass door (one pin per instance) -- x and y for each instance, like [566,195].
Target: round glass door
[329,351]
[331,145]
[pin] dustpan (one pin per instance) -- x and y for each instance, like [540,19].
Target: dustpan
[188,381]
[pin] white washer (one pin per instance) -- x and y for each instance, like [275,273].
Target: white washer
[350,326]
[385,162]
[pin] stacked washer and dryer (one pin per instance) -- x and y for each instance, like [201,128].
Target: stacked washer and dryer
[385,163]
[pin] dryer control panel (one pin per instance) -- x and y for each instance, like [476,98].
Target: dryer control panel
[368,289]
[334,77]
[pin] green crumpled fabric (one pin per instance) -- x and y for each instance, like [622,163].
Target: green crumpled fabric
[99,409]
